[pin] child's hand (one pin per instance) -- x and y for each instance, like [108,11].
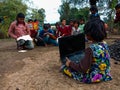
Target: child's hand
[63,35]
[67,62]
[45,34]
[50,33]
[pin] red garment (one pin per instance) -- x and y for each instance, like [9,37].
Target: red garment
[117,18]
[63,31]
[19,30]
[33,33]
[70,29]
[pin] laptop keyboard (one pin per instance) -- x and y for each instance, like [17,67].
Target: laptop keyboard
[75,57]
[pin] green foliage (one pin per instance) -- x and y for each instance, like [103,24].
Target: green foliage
[69,12]
[84,13]
[8,11]
[78,14]
[64,11]
[80,8]
[38,14]
[10,8]
[113,3]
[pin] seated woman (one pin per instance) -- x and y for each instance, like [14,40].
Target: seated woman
[47,35]
[18,29]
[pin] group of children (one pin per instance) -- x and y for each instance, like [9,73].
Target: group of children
[94,67]
[46,35]
[34,26]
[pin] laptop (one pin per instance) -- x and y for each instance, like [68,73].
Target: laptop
[72,47]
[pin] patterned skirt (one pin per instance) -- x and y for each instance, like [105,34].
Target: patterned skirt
[86,78]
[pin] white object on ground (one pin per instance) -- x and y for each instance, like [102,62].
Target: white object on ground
[22,51]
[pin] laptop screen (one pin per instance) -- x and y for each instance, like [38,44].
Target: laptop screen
[71,44]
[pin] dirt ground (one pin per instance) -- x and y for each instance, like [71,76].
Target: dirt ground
[38,69]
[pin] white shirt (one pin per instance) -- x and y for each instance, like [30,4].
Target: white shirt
[75,31]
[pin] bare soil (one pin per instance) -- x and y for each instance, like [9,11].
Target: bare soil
[38,69]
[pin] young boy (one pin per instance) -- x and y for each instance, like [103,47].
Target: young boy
[47,35]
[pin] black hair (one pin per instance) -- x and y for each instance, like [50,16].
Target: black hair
[49,25]
[93,2]
[29,20]
[82,19]
[71,20]
[76,21]
[96,30]
[94,8]
[20,15]
[117,6]
[35,20]
[46,26]
[1,19]
[57,24]
[62,19]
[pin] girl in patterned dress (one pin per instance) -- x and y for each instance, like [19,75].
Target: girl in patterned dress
[95,66]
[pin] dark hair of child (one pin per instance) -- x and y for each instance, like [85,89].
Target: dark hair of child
[71,20]
[93,9]
[62,19]
[20,15]
[35,20]
[93,2]
[49,25]
[96,30]
[57,24]
[30,20]
[117,6]
[46,26]
[82,19]
[76,21]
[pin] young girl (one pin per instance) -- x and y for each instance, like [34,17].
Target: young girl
[75,29]
[95,66]
[19,28]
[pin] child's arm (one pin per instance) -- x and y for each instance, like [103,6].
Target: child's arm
[67,62]
[12,30]
[84,64]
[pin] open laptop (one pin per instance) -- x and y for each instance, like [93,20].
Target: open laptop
[72,47]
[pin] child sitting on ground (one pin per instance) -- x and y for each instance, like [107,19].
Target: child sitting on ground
[20,31]
[95,66]
[47,36]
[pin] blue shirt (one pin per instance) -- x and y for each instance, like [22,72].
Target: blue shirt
[41,32]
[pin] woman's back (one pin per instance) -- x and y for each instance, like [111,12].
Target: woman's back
[100,67]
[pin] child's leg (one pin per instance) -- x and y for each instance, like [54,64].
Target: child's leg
[29,44]
[46,39]
[72,73]
[54,42]
[39,41]
[66,70]
[20,44]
